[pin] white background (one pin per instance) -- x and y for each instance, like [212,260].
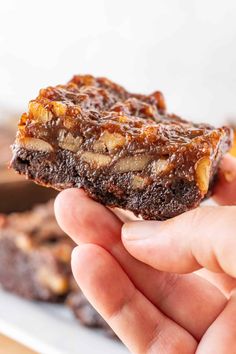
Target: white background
[185,48]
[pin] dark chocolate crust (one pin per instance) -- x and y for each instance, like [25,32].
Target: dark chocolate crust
[34,255]
[122,148]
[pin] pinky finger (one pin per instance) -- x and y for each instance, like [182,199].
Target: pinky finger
[138,323]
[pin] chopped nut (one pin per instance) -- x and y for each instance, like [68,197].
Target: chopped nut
[99,160]
[149,111]
[123,119]
[99,146]
[139,182]
[113,140]
[69,122]
[159,166]
[59,108]
[203,169]
[39,112]
[160,101]
[53,281]
[35,144]
[109,141]
[68,142]
[23,242]
[132,163]
[63,252]
[150,132]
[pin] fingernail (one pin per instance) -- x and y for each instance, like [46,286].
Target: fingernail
[139,230]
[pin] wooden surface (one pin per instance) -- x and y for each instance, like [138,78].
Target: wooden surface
[8,346]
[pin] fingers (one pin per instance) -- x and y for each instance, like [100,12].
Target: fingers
[137,322]
[225,190]
[221,280]
[204,237]
[75,213]
[221,336]
[179,297]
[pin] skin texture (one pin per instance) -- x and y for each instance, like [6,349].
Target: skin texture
[145,284]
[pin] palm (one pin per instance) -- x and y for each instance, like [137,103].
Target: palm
[151,311]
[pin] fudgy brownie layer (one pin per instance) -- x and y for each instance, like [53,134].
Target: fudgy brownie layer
[122,148]
[156,201]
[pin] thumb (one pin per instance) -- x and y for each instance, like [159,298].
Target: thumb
[204,237]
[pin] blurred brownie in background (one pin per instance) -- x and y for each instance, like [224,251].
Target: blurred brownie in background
[35,254]
[85,312]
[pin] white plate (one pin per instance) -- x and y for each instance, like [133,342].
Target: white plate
[51,329]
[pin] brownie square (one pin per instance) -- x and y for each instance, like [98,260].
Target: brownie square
[35,254]
[124,149]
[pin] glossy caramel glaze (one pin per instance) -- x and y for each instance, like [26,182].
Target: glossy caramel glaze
[118,144]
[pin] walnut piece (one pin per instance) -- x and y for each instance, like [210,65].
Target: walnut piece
[203,169]
[139,182]
[39,112]
[132,163]
[96,159]
[68,142]
[109,141]
[159,166]
[63,252]
[35,144]
[69,122]
[24,243]
[59,108]
[56,282]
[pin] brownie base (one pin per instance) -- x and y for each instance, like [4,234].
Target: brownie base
[18,273]
[158,201]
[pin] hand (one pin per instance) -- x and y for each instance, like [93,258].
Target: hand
[137,285]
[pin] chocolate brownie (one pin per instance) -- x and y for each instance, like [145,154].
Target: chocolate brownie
[34,254]
[124,149]
[86,314]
